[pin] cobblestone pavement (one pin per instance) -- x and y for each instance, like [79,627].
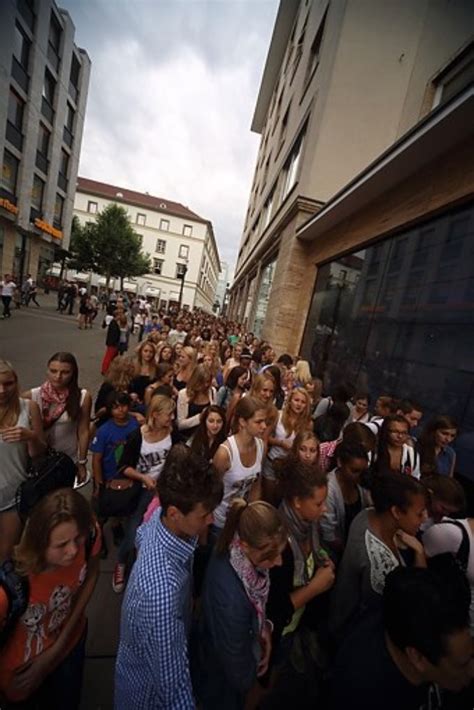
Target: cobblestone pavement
[28,339]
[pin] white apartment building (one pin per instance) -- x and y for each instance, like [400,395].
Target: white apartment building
[176,238]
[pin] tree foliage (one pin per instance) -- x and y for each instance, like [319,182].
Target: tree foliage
[109,246]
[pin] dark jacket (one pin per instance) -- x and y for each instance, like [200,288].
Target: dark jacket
[131,451]
[112,338]
[230,646]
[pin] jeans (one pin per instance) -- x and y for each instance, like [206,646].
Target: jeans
[127,546]
[6,306]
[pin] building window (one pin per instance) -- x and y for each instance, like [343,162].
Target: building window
[15,120]
[455,77]
[183,251]
[315,53]
[26,9]
[74,77]
[299,49]
[58,211]
[165,225]
[49,87]
[9,172]
[284,125]
[187,230]
[141,219]
[37,194]
[160,246]
[64,163]
[181,270]
[157,266]
[54,40]
[21,47]
[92,207]
[43,140]
[291,169]
[68,133]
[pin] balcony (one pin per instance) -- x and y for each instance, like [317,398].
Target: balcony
[62,182]
[42,162]
[47,110]
[14,136]
[67,136]
[20,75]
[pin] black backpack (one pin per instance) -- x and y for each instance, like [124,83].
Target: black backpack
[17,590]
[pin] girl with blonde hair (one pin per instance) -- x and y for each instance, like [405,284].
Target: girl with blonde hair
[185,364]
[145,369]
[302,374]
[21,436]
[236,636]
[193,400]
[42,660]
[143,458]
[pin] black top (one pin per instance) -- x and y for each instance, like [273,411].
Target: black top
[351,510]
[178,384]
[113,334]
[139,384]
[364,675]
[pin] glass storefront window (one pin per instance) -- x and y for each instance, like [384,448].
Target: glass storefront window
[263,297]
[398,317]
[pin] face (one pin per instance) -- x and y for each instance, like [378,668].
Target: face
[184,360]
[397,433]
[409,520]
[267,391]
[64,544]
[193,523]
[168,378]
[444,437]
[242,381]
[362,405]
[207,360]
[313,507]
[59,373]
[162,420]
[148,353]
[380,409]
[352,469]
[455,669]
[260,558]
[166,354]
[308,451]
[178,348]
[256,425]
[245,362]
[120,412]
[237,351]
[298,403]
[413,418]
[214,423]
[8,387]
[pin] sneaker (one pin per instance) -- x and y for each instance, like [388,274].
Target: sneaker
[118,579]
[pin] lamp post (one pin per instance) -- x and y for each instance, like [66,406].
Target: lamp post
[182,276]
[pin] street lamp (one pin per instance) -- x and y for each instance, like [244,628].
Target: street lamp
[181,276]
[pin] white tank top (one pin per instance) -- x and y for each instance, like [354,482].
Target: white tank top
[277,452]
[62,435]
[153,456]
[14,460]
[238,479]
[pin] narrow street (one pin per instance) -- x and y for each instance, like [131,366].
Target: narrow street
[28,339]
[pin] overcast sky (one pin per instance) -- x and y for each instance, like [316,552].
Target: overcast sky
[172,94]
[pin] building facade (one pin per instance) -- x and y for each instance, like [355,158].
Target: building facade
[44,80]
[177,240]
[222,286]
[344,80]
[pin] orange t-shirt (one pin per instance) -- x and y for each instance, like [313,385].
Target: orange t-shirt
[50,600]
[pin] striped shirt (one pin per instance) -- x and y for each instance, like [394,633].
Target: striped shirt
[152,669]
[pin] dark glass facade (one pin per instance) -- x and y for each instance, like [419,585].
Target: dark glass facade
[398,317]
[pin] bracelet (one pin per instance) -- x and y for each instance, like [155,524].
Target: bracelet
[82,462]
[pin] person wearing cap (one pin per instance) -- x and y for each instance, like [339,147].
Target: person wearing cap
[245,362]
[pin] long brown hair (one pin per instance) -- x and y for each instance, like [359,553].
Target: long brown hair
[427,441]
[73,402]
[258,524]
[11,411]
[61,506]
[201,377]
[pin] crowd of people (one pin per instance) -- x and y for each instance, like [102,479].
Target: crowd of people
[277,542]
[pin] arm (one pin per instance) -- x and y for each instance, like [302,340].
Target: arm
[97,472]
[32,436]
[183,421]
[221,460]
[83,435]
[129,460]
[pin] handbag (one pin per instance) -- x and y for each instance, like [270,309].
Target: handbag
[118,497]
[47,473]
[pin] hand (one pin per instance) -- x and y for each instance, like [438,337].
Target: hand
[148,482]
[81,472]
[324,578]
[134,397]
[30,676]
[409,541]
[266,644]
[285,444]
[14,434]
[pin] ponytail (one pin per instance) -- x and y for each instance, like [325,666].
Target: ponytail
[258,524]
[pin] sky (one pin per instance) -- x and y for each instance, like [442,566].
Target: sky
[171,98]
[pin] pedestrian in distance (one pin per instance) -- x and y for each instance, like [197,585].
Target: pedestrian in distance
[8,288]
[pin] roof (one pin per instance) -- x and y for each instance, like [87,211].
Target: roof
[138,199]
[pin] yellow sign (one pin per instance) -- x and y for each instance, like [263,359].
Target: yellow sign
[48,228]
[9,206]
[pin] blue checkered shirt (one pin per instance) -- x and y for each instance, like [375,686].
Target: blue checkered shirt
[152,669]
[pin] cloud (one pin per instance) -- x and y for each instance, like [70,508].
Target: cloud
[173,89]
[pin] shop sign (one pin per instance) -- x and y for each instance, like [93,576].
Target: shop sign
[48,228]
[8,206]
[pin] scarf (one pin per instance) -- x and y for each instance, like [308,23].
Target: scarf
[256,581]
[53,403]
[300,531]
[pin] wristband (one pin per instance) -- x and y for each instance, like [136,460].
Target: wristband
[82,462]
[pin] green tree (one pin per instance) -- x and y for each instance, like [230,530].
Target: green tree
[109,246]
